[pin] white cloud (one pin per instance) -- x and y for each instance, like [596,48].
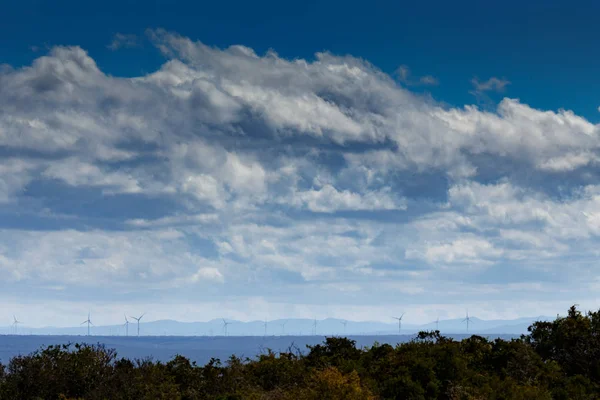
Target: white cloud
[214,155]
[97,259]
[76,173]
[506,205]
[469,250]
[175,220]
[205,187]
[568,162]
[328,199]
[334,98]
[208,274]
[306,113]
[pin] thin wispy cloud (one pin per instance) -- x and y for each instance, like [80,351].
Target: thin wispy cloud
[493,84]
[429,80]
[482,91]
[124,41]
[405,76]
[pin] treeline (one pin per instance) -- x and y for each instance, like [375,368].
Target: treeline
[556,360]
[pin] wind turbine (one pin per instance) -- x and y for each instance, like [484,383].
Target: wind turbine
[467,320]
[225,323]
[315,327]
[88,322]
[283,327]
[437,324]
[399,322]
[265,325]
[16,323]
[126,325]
[138,322]
[344,322]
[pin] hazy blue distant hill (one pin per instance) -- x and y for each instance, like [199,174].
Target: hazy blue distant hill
[476,325]
[296,327]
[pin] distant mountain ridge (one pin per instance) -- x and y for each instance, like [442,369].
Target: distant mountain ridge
[293,326]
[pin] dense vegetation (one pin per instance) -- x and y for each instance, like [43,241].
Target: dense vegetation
[556,360]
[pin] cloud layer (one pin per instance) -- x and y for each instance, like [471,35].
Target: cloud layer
[227,175]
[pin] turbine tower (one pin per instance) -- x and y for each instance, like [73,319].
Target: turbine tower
[344,322]
[315,327]
[437,324]
[88,321]
[126,324]
[283,328]
[265,325]
[225,324]
[16,323]
[399,322]
[138,322]
[467,320]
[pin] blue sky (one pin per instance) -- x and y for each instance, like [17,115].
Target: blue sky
[306,160]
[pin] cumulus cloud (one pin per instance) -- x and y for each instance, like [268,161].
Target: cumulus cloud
[225,165]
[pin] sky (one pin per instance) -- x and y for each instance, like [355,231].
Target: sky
[268,160]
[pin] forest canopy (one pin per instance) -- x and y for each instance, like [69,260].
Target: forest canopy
[555,360]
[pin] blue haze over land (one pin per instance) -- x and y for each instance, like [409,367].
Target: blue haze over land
[294,327]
